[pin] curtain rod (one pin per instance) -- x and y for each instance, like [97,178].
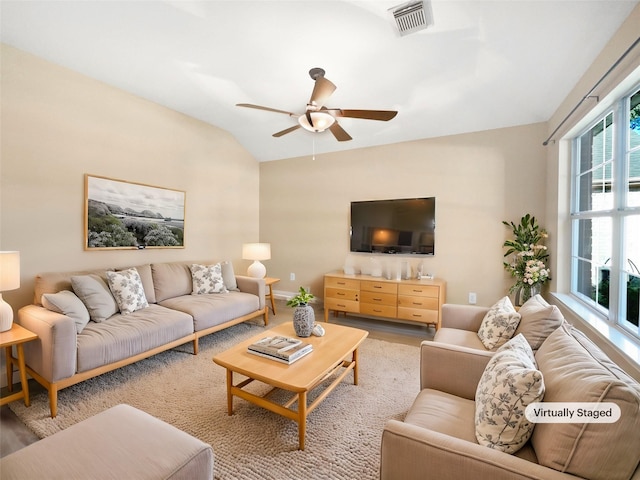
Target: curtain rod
[589,94]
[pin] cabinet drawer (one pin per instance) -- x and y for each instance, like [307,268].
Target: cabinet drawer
[415,301]
[418,315]
[378,310]
[382,287]
[340,293]
[341,305]
[342,283]
[419,290]
[378,298]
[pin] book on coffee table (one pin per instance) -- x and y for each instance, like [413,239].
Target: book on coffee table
[284,354]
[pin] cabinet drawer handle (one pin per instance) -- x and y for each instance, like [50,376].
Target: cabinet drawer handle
[376,299]
[417,290]
[340,305]
[417,303]
[377,311]
[417,315]
[341,283]
[340,293]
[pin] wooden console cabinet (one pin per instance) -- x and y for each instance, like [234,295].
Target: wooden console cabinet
[414,300]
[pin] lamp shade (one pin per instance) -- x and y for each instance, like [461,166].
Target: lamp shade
[321,121]
[9,271]
[256,251]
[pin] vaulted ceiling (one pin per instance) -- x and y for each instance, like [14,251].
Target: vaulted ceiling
[481,65]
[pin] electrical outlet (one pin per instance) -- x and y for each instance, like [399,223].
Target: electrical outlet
[472,298]
[292,276]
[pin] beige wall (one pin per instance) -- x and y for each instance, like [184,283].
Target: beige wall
[58,125]
[478,179]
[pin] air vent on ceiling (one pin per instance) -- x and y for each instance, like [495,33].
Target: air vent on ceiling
[412,16]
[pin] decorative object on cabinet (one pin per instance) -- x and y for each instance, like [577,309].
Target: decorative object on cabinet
[256,252]
[9,280]
[304,317]
[120,214]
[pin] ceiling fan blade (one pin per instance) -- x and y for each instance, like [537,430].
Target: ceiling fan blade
[384,115]
[339,133]
[322,90]
[288,130]
[268,109]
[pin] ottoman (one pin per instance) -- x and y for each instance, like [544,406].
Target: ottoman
[121,442]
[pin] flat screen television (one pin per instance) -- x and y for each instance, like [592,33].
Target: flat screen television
[398,226]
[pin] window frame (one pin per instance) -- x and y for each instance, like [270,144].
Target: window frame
[620,210]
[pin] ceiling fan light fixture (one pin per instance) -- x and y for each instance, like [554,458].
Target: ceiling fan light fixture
[321,121]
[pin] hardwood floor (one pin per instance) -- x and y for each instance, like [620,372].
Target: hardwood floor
[14,435]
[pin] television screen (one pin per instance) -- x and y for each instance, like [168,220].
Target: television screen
[394,226]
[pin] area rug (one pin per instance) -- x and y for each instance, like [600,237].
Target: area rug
[188,391]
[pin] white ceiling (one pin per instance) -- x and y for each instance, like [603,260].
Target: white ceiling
[482,65]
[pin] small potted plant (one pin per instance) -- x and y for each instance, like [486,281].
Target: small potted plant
[304,317]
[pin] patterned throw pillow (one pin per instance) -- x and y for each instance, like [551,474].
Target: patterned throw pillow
[499,324]
[126,286]
[509,383]
[207,279]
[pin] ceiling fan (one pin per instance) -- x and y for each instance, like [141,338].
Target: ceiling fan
[317,117]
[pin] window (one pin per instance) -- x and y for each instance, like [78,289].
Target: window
[605,214]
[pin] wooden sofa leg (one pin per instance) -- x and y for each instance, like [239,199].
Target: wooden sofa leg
[195,346]
[266,316]
[53,400]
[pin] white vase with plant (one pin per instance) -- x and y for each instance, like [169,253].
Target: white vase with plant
[304,317]
[529,257]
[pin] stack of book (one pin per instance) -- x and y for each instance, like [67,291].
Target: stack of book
[282,349]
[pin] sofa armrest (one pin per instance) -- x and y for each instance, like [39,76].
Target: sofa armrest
[464,317]
[410,452]
[53,354]
[451,368]
[256,286]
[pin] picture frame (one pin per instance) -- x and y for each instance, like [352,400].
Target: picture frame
[126,215]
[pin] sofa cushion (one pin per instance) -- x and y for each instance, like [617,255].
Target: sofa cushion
[509,383]
[126,287]
[576,370]
[213,309]
[443,413]
[95,294]
[67,303]
[499,324]
[171,280]
[462,338]
[207,279]
[54,282]
[538,320]
[126,335]
[147,282]
[229,276]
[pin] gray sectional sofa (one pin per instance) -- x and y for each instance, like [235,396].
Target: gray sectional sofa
[92,322]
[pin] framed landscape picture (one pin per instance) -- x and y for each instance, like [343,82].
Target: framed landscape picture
[120,214]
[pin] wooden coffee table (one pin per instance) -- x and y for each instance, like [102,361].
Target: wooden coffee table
[336,353]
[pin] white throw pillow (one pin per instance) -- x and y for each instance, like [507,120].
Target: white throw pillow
[510,382]
[127,289]
[499,324]
[67,303]
[207,279]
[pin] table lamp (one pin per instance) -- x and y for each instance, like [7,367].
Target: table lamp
[256,252]
[9,280]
